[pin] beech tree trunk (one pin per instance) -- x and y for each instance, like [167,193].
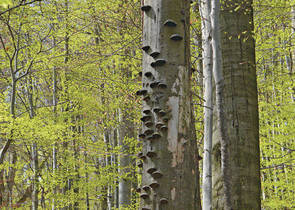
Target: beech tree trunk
[169,144]
[221,117]
[205,9]
[126,131]
[240,110]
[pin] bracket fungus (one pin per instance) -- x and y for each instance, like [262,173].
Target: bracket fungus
[151,170]
[158,62]
[159,125]
[146,99]
[146,188]
[164,128]
[154,84]
[162,113]
[145,48]
[170,23]
[146,118]
[141,92]
[146,111]
[144,195]
[176,37]
[162,85]
[156,135]
[157,174]
[148,132]
[163,201]
[154,185]
[148,74]
[146,8]
[151,154]
[157,109]
[148,124]
[155,54]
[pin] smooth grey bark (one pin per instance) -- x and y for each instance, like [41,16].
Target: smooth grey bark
[169,144]
[205,10]
[240,110]
[126,130]
[221,117]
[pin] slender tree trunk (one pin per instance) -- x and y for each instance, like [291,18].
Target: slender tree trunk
[54,149]
[205,10]
[169,144]
[126,131]
[108,188]
[10,177]
[87,200]
[34,149]
[240,113]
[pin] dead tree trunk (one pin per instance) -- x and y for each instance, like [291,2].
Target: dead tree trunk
[169,144]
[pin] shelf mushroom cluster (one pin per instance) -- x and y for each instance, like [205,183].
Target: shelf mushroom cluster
[154,118]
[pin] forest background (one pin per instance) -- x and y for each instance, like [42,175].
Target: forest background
[69,113]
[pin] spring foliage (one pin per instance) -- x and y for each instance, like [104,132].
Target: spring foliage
[91,51]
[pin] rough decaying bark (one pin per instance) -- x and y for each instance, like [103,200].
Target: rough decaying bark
[169,144]
[240,109]
[205,9]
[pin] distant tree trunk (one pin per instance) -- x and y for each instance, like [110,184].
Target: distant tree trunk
[205,10]
[292,55]
[65,145]
[54,149]
[126,130]
[87,200]
[108,162]
[34,149]
[240,111]
[169,144]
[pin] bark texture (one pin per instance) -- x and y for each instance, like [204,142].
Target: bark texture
[169,144]
[240,110]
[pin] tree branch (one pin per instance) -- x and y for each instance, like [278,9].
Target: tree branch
[19,5]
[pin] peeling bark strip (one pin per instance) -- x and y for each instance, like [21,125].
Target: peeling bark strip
[168,135]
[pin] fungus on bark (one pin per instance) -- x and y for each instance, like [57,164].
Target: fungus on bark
[145,48]
[148,74]
[170,23]
[151,170]
[176,37]
[146,8]
[163,201]
[144,195]
[154,185]
[155,54]
[158,62]
[157,174]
